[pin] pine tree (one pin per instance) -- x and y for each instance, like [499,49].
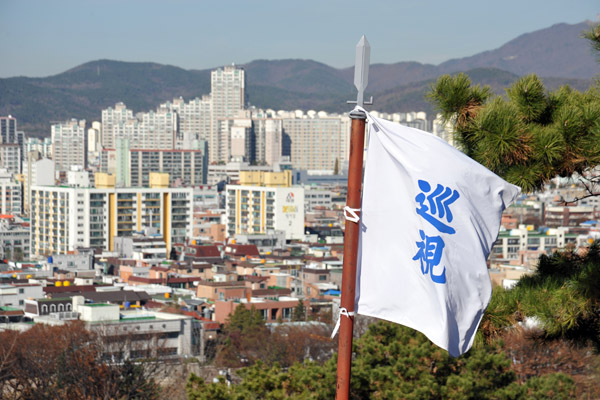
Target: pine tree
[593,35]
[531,135]
[391,362]
[299,313]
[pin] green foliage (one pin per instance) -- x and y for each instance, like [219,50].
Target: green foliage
[243,336]
[593,35]
[564,294]
[527,94]
[457,100]
[246,340]
[550,387]
[196,389]
[529,137]
[299,313]
[308,381]
[454,93]
[502,133]
[390,362]
[244,320]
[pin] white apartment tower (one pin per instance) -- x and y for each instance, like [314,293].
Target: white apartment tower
[227,98]
[10,157]
[69,144]
[94,138]
[194,117]
[10,194]
[268,134]
[113,123]
[317,140]
[36,172]
[8,129]
[149,130]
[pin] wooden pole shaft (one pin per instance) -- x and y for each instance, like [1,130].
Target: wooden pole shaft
[353,200]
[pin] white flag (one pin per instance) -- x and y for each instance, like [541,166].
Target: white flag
[430,216]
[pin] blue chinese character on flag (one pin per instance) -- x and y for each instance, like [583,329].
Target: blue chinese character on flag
[437,206]
[430,255]
[434,207]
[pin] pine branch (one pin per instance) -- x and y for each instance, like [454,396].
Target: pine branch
[588,189]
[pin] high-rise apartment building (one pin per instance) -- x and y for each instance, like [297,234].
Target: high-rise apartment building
[133,166]
[69,144]
[64,218]
[8,129]
[189,166]
[317,140]
[41,146]
[268,138]
[12,145]
[149,130]
[94,139]
[10,157]
[236,139]
[11,194]
[113,123]
[194,117]
[227,98]
[36,172]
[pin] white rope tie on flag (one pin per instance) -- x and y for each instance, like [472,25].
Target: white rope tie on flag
[351,214]
[371,121]
[343,311]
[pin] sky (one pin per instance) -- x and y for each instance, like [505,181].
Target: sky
[46,37]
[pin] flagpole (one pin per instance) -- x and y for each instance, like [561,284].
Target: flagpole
[352,226]
[357,140]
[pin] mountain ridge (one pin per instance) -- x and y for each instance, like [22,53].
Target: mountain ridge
[84,90]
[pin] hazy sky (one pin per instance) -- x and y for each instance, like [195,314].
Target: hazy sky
[46,37]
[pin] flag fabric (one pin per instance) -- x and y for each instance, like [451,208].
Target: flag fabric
[430,216]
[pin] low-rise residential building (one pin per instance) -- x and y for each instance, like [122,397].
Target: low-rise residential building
[208,226]
[266,178]
[316,197]
[15,294]
[271,310]
[511,245]
[79,260]
[148,249]
[206,197]
[148,334]
[569,215]
[229,290]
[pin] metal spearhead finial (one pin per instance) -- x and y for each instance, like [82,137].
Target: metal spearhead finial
[361,70]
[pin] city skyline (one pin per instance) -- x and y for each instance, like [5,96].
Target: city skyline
[61,35]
